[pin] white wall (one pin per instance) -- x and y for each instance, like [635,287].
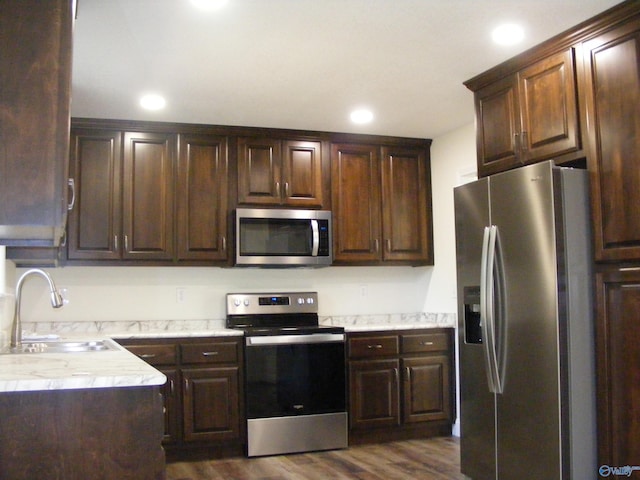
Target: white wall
[150,293]
[453,161]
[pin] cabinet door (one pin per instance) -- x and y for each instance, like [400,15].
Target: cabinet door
[211,404]
[406,206]
[355,186]
[95,222]
[202,198]
[148,195]
[170,405]
[374,393]
[259,175]
[612,63]
[549,113]
[497,126]
[427,389]
[302,173]
[618,364]
[35,85]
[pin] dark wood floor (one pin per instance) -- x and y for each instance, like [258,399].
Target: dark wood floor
[431,459]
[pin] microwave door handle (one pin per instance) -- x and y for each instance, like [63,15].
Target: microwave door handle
[316,238]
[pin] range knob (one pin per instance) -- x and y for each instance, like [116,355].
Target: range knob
[300,301]
[246,302]
[237,302]
[310,300]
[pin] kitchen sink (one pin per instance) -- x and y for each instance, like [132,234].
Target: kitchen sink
[66,347]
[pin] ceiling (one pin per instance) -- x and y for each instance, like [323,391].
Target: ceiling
[301,64]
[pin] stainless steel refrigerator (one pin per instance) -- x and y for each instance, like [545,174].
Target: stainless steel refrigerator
[526,346]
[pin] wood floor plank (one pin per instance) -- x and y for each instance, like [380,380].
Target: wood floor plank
[428,459]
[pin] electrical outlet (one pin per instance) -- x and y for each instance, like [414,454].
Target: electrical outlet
[181,294]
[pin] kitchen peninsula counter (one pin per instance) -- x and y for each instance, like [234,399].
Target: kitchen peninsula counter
[25,372]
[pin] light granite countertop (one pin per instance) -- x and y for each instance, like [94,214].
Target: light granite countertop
[66,371]
[120,368]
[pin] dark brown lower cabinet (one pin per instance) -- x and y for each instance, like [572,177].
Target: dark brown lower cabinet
[426,389]
[400,384]
[211,404]
[202,397]
[618,357]
[374,393]
[108,433]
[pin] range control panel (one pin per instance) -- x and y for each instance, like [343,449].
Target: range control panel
[271,303]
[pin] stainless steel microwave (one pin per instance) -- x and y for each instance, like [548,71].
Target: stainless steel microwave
[283,237]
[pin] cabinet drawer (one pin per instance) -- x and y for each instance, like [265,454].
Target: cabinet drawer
[378,346]
[425,342]
[212,352]
[155,354]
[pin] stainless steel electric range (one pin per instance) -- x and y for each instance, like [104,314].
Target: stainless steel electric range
[295,373]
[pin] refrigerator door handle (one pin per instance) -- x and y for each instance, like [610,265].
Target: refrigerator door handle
[491,264]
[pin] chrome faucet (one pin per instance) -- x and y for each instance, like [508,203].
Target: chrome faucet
[56,302]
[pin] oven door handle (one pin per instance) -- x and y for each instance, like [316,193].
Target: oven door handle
[294,339]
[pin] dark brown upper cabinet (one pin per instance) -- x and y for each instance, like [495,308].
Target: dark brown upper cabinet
[277,172]
[201,200]
[528,116]
[124,196]
[35,85]
[612,90]
[381,200]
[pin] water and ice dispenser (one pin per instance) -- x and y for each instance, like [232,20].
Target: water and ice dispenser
[472,319]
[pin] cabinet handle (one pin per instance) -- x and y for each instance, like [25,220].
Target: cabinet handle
[426,343]
[377,347]
[286,189]
[115,242]
[376,245]
[209,354]
[72,185]
[397,375]
[523,141]
[516,142]
[278,192]
[147,355]
[186,385]
[388,242]
[126,243]
[408,372]
[224,243]
[172,387]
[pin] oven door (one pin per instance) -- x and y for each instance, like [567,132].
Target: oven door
[290,375]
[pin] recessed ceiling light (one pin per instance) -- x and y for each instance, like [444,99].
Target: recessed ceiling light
[152,101]
[209,4]
[361,115]
[507,34]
